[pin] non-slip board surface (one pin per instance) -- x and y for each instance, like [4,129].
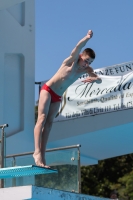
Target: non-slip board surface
[29,170]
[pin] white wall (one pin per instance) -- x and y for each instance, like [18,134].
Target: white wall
[8,3]
[17,63]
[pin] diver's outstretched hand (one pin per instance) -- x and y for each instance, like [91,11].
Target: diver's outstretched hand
[92,80]
[90,34]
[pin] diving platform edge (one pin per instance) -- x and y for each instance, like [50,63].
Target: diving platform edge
[29,170]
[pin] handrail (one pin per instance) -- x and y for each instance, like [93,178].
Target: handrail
[48,150]
[2,153]
[4,125]
[13,156]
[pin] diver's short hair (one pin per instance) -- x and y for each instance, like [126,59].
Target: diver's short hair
[89,52]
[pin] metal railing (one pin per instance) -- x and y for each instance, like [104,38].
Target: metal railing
[14,156]
[47,150]
[2,151]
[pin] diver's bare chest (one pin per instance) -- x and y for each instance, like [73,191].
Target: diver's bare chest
[71,70]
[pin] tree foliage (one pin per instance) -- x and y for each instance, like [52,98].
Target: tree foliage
[114,173]
[36,113]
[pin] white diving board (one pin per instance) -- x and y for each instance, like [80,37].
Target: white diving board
[30,170]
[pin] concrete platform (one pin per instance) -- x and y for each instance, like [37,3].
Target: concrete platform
[39,193]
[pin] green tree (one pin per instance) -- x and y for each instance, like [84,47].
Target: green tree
[36,112]
[126,186]
[109,174]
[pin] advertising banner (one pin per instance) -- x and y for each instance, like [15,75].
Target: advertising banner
[116,70]
[113,94]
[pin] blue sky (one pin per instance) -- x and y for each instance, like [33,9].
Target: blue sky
[61,24]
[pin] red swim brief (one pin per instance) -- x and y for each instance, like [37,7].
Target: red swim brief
[54,96]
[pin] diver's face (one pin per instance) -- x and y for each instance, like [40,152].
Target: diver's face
[85,60]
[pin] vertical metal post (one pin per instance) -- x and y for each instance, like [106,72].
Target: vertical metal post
[79,172]
[14,179]
[2,156]
[2,148]
[39,88]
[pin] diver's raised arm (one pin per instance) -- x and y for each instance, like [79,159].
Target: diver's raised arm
[75,52]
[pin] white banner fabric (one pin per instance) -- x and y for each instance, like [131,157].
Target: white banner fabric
[87,99]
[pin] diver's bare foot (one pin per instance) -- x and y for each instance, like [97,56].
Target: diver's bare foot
[46,166]
[44,161]
[38,159]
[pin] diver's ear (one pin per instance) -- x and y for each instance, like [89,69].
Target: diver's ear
[80,55]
